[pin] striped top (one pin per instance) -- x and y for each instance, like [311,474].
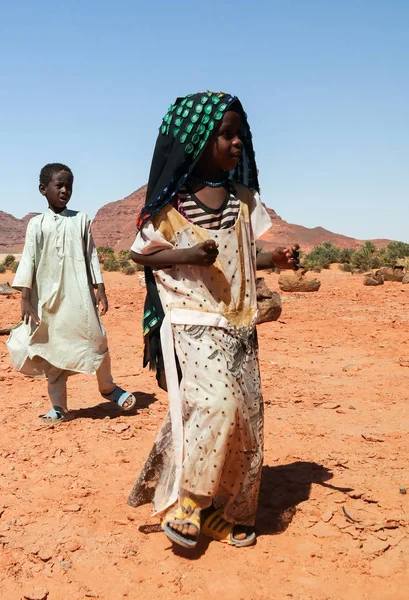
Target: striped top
[198,213]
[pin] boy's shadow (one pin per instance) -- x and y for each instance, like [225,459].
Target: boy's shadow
[283,488]
[111,410]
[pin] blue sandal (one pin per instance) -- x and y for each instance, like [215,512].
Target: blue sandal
[120,396]
[55,415]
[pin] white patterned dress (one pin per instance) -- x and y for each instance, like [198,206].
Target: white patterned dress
[210,446]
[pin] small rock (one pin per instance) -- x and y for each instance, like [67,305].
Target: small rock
[66,564]
[72,508]
[372,438]
[268,303]
[120,427]
[375,546]
[393,273]
[327,515]
[36,594]
[73,546]
[374,279]
[402,490]
[297,282]
[330,405]
[44,555]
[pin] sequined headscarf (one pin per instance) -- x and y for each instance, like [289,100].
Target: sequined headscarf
[184,133]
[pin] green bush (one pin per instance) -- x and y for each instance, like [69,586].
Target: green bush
[105,253]
[14,266]
[111,264]
[9,260]
[2,268]
[128,270]
[124,254]
[393,252]
[347,267]
[123,262]
[345,255]
[366,257]
[322,256]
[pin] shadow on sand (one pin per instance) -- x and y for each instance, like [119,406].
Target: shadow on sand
[111,410]
[282,489]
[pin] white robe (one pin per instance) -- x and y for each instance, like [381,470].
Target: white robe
[60,266]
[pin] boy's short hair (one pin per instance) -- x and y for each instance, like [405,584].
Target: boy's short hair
[48,171]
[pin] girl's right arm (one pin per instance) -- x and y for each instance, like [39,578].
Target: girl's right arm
[203,254]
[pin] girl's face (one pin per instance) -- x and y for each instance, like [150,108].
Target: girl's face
[224,147]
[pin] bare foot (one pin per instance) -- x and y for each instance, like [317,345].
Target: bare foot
[128,403]
[183,526]
[240,532]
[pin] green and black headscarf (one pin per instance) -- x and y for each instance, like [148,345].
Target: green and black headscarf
[186,128]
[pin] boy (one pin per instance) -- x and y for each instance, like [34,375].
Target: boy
[61,332]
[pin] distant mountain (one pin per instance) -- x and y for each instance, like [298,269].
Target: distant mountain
[12,232]
[115,225]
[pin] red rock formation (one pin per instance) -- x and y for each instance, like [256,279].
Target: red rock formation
[12,232]
[114,225]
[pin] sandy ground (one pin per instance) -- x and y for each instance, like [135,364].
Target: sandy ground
[335,377]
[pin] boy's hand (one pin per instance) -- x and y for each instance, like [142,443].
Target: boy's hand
[101,298]
[286,258]
[27,312]
[203,254]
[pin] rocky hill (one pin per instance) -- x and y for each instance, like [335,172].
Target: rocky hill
[12,232]
[114,225]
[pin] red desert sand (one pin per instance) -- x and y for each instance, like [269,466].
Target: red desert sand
[333,517]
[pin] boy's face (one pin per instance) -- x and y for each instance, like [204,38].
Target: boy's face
[58,191]
[225,146]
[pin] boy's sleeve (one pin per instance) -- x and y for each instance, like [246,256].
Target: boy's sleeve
[92,255]
[260,219]
[25,272]
[150,240]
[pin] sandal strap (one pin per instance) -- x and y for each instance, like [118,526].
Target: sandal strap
[217,527]
[185,513]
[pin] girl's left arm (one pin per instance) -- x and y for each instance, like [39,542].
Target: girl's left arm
[281,258]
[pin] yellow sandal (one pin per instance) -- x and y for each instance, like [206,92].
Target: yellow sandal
[216,527]
[185,513]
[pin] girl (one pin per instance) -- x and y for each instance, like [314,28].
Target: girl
[61,333]
[197,234]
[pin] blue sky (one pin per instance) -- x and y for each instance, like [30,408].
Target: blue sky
[325,85]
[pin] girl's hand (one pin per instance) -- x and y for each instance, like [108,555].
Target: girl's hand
[286,258]
[101,298]
[28,312]
[203,254]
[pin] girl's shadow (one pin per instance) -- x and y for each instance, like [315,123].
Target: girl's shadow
[283,488]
